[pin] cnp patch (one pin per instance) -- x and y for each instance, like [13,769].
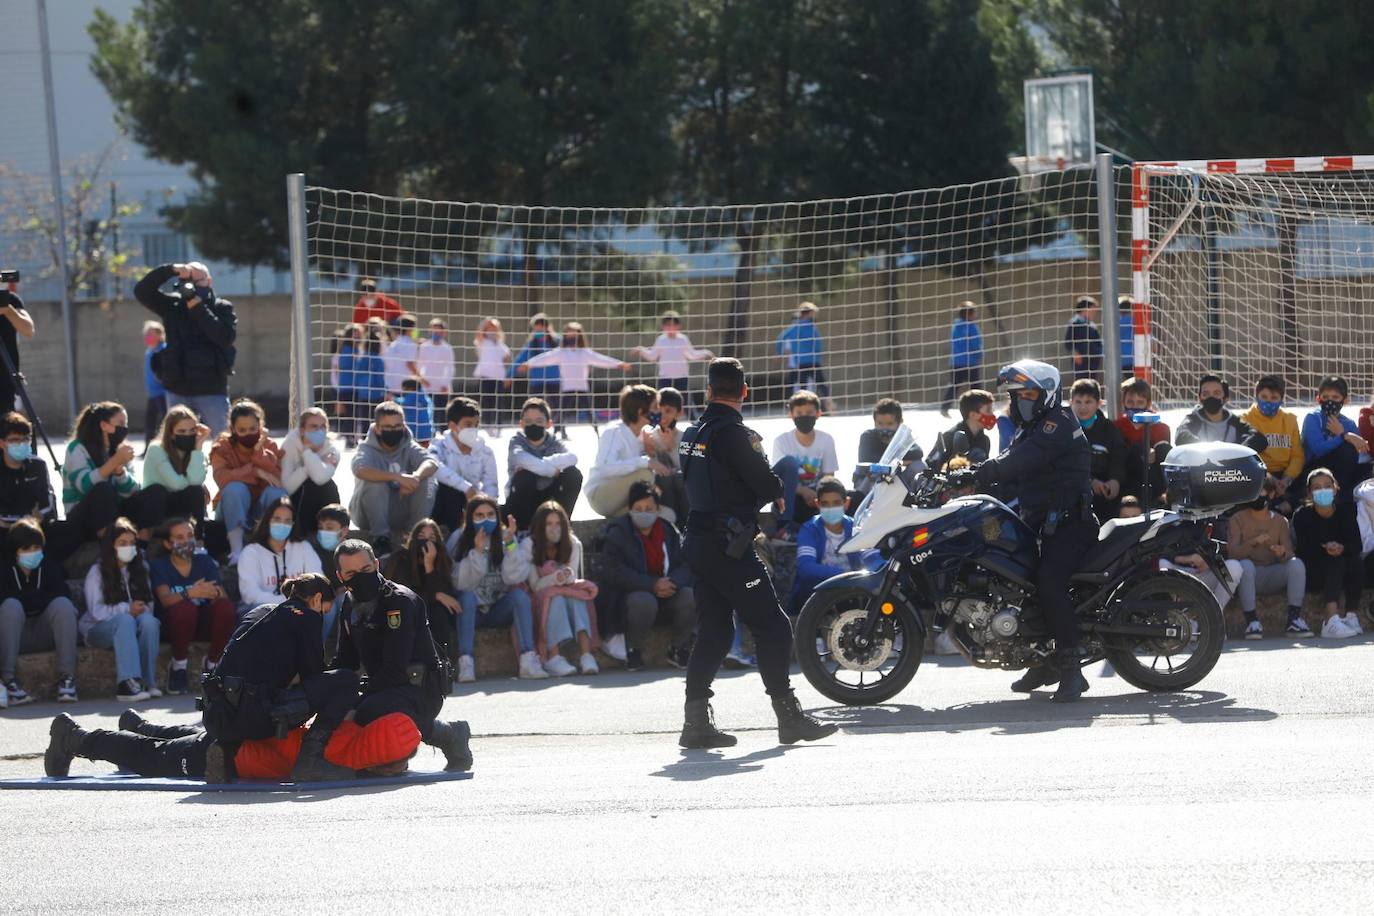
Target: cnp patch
[1050,426]
[298,612]
[393,620]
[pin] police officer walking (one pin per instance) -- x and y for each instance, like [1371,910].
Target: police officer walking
[728,479]
[248,697]
[1051,461]
[388,635]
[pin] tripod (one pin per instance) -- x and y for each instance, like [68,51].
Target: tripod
[18,381]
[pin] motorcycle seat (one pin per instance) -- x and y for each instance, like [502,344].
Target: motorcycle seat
[1113,539]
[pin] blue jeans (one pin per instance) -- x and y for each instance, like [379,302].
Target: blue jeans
[512,607]
[567,618]
[237,508]
[213,409]
[788,470]
[135,643]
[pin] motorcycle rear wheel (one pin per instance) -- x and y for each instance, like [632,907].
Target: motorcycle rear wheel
[845,673]
[1158,665]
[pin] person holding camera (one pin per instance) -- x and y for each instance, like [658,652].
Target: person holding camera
[195,365]
[14,320]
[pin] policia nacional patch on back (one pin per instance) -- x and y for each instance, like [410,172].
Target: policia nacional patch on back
[393,620]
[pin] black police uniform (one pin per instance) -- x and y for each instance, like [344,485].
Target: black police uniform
[389,637]
[728,480]
[249,694]
[1051,461]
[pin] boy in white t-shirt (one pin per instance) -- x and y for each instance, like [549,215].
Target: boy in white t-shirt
[400,359]
[801,457]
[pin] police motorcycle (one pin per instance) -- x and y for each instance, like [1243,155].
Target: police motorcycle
[964,562]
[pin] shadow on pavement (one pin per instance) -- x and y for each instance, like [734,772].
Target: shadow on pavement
[220,799]
[1027,715]
[698,766]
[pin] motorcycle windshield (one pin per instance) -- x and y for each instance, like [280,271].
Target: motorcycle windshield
[902,441]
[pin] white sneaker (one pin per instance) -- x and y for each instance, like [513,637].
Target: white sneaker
[4,697]
[466,672]
[1352,620]
[530,669]
[587,665]
[1335,628]
[558,666]
[153,690]
[944,644]
[1254,630]
[615,647]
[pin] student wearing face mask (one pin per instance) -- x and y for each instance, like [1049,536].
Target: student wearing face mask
[175,461]
[1331,440]
[36,613]
[119,613]
[887,418]
[191,601]
[975,408]
[331,529]
[1261,540]
[539,467]
[818,544]
[395,482]
[543,381]
[467,465]
[575,360]
[424,567]
[276,552]
[372,304]
[1109,449]
[98,482]
[1283,454]
[490,574]
[308,462]
[674,354]
[436,365]
[1326,536]
[490,371]
[401,357]
[644,577]
[154,341]
[562,599]
[661,441]
[247,468]
[1210,421]
[622,456]
[25,487]
[801,457]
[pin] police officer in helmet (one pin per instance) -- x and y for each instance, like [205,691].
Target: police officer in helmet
[728,479]
[1051,461]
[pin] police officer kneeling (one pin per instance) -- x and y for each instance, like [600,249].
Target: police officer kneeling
[1051,462]
[249,696]
[728,479]
[387,634]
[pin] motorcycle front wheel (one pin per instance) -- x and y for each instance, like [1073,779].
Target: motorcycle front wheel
[1177,663]
[832,654]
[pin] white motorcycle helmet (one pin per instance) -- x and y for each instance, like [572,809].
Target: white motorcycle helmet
[1034,375]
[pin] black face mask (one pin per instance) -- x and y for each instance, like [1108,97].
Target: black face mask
[533,432]
[117,436]
[1330,407]
[883,432]
[184,443]
[365,586]
[804,424]
[1212,405]
[391,437]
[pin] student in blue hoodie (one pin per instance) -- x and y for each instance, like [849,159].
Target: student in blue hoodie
[419,410]
[965,355]
[818,544]
[1331,439]
[543,381]
[801,345]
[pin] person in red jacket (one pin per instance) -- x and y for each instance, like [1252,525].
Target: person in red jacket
[372,304]
[1136,396]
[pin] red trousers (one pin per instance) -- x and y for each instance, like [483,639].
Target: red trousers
[186,620]
[391,738]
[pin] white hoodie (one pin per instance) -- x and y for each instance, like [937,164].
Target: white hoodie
[619,453]
[475,469]
[299,462]
[261,572]
[1364,514]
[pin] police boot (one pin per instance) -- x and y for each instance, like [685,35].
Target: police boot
[1042,675]
[217,764]
[795,725]
[452,738]
[310,763]
[64,743]
[1072,683]
[699,727]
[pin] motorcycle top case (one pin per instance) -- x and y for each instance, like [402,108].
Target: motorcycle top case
[1213,475]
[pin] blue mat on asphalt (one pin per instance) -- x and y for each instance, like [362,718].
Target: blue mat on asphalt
[128,781]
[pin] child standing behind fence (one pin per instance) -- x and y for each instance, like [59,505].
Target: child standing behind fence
[575,361]
[674,353]
[492,356]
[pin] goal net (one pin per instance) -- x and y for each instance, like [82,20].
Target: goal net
[886,274]
[1256,267]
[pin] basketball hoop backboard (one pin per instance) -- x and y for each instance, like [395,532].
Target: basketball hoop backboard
[1060,130]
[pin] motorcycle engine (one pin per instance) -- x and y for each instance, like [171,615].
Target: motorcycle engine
[985,620]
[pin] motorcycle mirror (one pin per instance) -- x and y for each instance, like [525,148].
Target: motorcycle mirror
[961,443]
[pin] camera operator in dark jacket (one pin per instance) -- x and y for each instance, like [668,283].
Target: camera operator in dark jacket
[201,329]
[14,320]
